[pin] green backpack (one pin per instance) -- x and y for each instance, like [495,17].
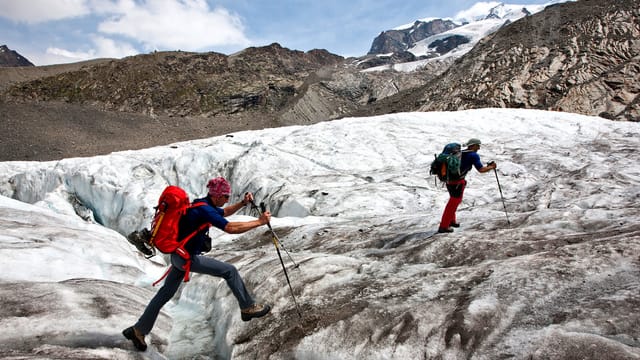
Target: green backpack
[446,165]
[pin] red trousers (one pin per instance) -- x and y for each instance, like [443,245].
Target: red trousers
[456,190]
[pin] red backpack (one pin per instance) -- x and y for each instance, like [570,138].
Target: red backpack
[172,205]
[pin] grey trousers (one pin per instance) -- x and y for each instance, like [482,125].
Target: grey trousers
[201,265]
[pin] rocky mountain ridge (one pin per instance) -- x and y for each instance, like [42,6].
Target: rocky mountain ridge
[164,97]
[182,84]
[580,57]
[285,85]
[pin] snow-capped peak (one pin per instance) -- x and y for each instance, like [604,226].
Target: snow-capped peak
[475,23]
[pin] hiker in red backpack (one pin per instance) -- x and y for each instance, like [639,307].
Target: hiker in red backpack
[470,158]
[213,213]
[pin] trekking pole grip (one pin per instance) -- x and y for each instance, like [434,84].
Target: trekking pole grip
[263,208]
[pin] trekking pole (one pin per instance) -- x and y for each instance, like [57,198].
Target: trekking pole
[502,197]
[295,265]
[276,243]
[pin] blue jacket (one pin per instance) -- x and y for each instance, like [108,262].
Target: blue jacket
[469,159]
[197,216]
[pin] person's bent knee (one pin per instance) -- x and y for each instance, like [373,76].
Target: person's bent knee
[230,271]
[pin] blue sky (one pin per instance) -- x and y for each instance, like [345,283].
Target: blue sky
[60,31]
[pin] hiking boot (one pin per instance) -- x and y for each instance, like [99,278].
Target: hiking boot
[254,311]
[454,224]
[445,230]
[136,338]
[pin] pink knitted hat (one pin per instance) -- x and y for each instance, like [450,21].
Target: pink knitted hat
[218,187]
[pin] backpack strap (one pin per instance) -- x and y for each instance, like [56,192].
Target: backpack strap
[182,252]
[162,277]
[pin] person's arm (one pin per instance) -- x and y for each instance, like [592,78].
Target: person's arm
[490,166]
[238,227]
[478,164]
[232,209]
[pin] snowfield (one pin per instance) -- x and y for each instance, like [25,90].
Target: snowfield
[355,207]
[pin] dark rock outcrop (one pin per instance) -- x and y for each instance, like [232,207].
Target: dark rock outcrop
[10,58]
[370,61]
[443,46]
[396,41]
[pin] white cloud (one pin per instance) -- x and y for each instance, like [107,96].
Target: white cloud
[103,48]
[112,49]
[70,56]
[147,24]
[480,9]
[174,24]
[35,11]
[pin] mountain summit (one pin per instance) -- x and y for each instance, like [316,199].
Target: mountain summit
[432,38]
[10,58]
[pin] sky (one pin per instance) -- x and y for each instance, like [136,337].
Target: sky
[52,32]
[544,266]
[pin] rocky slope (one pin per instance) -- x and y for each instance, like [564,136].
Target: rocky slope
[160,98]
[180,84]
[581,57]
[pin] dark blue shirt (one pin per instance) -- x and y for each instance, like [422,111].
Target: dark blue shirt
[469,159]
[194,218]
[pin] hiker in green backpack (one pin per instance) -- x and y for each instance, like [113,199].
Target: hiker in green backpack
[469,159]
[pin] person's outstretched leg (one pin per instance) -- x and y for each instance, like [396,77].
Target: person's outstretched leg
[206,265]
[137,332]
[213,267]
[166,292]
